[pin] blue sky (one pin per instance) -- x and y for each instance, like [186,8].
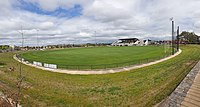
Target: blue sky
[76,21]
[74,11]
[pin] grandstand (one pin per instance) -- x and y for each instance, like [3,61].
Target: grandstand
[131,42]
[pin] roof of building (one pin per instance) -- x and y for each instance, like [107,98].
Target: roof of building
[129,39]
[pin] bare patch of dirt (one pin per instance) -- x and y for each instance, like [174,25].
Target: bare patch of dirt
[4,103]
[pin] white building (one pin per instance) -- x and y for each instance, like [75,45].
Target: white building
[131,42]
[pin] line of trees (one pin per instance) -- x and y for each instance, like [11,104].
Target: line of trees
[4,47]
[189,37]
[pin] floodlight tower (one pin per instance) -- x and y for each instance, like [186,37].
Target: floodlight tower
[22,35]
[37,38]
[172,35]
[178,30]
[95,33]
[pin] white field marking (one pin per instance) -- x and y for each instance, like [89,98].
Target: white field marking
[106,71]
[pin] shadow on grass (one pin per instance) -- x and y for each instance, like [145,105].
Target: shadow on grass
[1,64]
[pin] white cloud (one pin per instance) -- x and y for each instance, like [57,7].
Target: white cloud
[46,25]
[111,19]
[108,10]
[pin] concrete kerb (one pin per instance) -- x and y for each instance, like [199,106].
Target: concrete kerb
[107,71]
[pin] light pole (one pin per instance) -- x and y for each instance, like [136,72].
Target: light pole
[178,30]
[22,34]
[172,35]
[37,38]
[95,32]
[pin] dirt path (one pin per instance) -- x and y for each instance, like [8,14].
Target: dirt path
[107,71]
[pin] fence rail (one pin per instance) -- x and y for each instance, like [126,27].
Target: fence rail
[114,65]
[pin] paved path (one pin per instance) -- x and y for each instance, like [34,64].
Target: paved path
[192,98]
[187,94]
[107,71]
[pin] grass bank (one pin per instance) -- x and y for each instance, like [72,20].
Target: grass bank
[141,87]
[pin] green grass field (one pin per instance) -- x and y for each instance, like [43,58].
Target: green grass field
[142,87]
[98,57]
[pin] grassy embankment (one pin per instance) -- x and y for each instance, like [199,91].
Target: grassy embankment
[141,87]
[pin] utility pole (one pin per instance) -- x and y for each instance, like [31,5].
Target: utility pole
[172,36]
[178,30]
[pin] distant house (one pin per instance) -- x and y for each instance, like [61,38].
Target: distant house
[131,42]
[147,42]
[13,47]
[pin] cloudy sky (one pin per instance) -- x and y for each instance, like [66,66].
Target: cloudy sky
[76,21]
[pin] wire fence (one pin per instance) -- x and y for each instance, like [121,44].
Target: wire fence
[102,66]
[113,65]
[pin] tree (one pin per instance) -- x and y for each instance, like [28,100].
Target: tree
[189,37]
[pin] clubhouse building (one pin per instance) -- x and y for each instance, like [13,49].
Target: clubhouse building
[131,42]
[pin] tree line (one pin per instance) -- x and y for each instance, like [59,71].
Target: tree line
[189,37]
